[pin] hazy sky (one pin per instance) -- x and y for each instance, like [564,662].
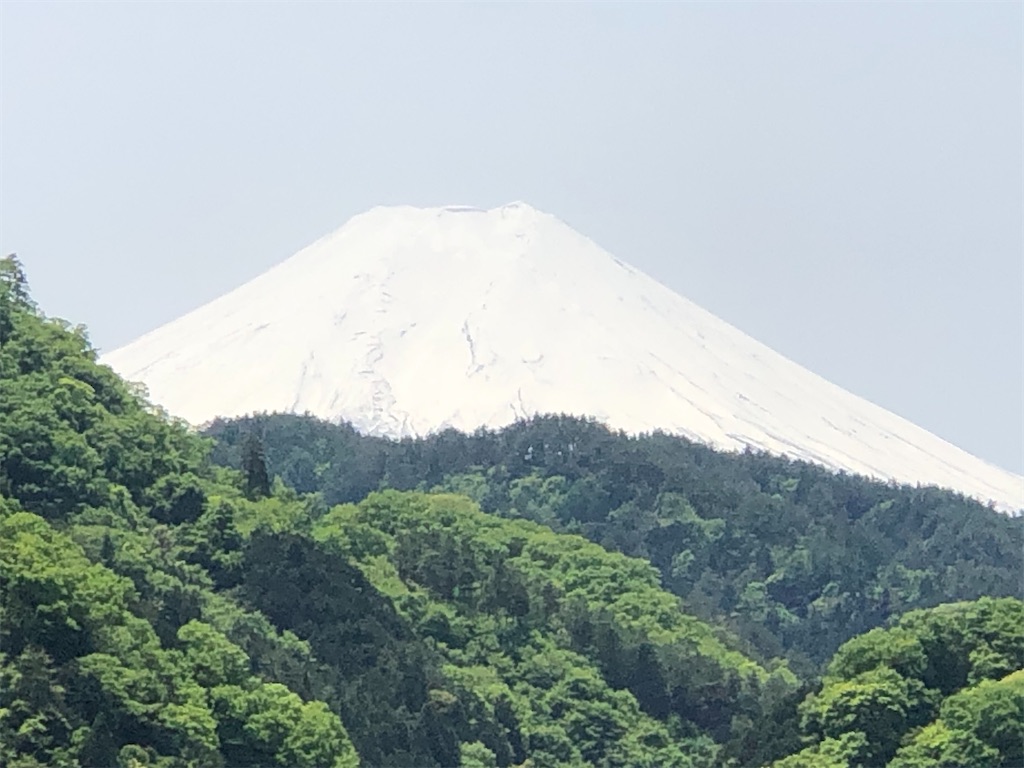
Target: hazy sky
[842,181]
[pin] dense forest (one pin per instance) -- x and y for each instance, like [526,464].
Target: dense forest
[792,558]
[284,592]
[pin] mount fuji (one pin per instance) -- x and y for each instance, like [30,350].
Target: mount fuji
[406,321]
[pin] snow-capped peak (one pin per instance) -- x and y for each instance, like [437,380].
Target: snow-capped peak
[408,320]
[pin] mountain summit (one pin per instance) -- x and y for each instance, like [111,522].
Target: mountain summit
[406,321]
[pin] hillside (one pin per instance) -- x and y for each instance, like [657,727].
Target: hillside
[408,321]
[157,609]
[795,559]
[943,687]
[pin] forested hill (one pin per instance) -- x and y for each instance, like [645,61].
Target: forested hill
[157,609]
[791,557]
[943,687]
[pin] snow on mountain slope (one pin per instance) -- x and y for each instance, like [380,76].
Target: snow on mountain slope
[407,321]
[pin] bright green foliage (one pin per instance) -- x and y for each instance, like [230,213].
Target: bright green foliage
[880,705]
[931,691]
[557,619]
[993,711]
[844,752]
[937,746]
[945,648]
[212,659]
[476,755]
[981,726]
[378,672]
[72,436]
[268,724]
[794,559]
[61,608]
[159,610]
[63,613]
[114,532]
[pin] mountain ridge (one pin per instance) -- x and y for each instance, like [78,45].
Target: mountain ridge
[407,321]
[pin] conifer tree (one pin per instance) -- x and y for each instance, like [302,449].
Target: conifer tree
[254,465]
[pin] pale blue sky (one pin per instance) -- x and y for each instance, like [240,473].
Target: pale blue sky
[842,181]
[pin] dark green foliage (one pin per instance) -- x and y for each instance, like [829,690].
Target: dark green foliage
[158,609]
[353,628]
[794,559]
[177,499]
[110,516]
[537,607]
[942,687]
[59,609]
[254,466]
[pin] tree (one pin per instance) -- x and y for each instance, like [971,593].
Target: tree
[835,555]
[879,704]
[254,465]
[13,283]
